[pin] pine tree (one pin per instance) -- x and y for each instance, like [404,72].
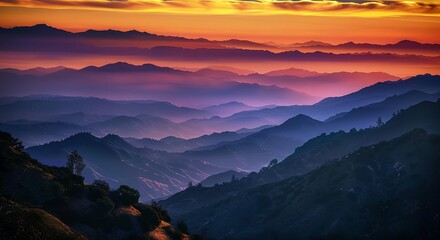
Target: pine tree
[379,122]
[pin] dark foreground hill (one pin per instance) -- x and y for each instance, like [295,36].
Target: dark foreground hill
[41,202]
[388,190]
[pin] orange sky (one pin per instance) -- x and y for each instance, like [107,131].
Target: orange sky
[268,20]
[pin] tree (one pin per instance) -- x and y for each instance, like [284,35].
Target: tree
[17,144]
[379,122]
[190,184]
[102,185]
[99,188]
[128,195]
[75,163]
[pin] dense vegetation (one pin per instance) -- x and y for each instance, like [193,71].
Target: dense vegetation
[41,202]
[371,183]
[314,153]
[388,190]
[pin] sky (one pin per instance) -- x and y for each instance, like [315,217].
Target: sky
[256,20]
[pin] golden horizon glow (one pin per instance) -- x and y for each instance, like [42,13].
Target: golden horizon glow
[281,28]
[363,8]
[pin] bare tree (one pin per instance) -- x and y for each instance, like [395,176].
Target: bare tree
[75,163]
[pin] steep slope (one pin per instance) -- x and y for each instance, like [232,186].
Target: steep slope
[21,222]
[387,190]
[367,116]
[330,106]
[256,150]
[321,84]
[156,174]
[314,153]
[42,202]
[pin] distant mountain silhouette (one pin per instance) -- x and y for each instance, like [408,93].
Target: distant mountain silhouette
[403,46]
[36,39]
[277,141]
[141,126]
[334,105]
[292,72]
[367,115]
[36,30]
[174,144]
[87,111]
[153,82]
[227,109]
[238,71]
[79,118]
[125,67]
[310,44]
[39,108]
[37,71]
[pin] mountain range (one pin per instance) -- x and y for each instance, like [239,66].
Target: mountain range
[103,46]
[344,173]
[43,202]
[214,153]
[151,82]
[95,37]
[156,174]
[156,120]
[372,191]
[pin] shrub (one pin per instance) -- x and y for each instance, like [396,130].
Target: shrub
[103,206]
[181,226]
[149,218]
[127,195]
[98,189]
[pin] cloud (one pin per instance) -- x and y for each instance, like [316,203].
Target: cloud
[319,7]
[332,6]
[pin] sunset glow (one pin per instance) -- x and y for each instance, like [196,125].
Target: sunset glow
[267,20]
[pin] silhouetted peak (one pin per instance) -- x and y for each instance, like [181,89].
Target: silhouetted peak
[118,66]
[114,139]
[42,26]
[299,120]
[407,43]
[111,33]
[82,136]
[36,30]
[127,67]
